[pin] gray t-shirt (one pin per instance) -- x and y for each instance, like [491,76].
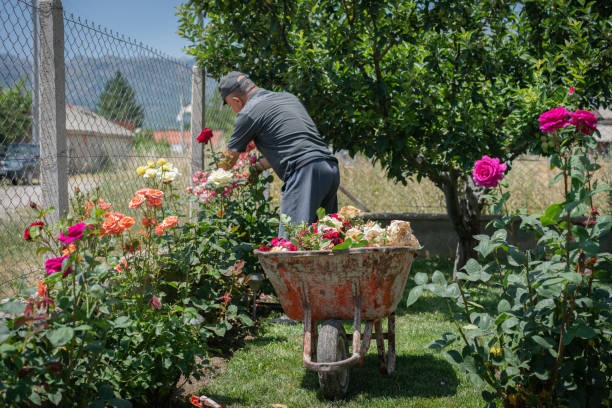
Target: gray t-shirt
[282,130]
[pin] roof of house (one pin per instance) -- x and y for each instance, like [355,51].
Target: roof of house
[79,119]
[173,137]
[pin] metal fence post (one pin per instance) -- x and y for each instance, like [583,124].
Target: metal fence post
[197,123]
[52,108]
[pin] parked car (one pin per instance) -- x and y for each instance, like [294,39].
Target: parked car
[20,161]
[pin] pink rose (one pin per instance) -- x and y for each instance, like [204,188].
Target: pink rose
[571,90]
[205,136]
[155,303]
[554,119]
[75,232]
[584,121]
[54,265]
[488,171]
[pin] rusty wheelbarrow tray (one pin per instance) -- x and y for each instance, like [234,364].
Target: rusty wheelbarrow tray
[359,284]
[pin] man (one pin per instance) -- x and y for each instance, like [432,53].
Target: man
[289,141]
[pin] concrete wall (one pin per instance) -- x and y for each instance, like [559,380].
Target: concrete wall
[437,236]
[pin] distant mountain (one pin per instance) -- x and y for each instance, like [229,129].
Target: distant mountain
[157,82]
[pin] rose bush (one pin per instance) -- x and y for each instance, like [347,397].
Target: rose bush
[99,330]
[546,341]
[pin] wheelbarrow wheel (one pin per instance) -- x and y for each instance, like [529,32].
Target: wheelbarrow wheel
[332,346]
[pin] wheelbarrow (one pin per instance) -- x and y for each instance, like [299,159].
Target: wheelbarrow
[359,284]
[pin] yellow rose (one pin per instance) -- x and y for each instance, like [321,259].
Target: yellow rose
[165,166]
[161,162]
[151,164]
[496,351]
[141,170]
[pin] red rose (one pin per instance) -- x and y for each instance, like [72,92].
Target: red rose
[205,136]
[26,234]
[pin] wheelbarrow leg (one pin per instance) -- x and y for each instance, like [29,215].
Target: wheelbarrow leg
[391,340]
[380,345]
[315,339]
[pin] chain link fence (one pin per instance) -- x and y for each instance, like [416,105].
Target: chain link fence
[125,104]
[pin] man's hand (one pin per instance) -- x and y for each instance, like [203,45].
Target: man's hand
[229,158]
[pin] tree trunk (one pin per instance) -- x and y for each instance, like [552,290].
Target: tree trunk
[463,204]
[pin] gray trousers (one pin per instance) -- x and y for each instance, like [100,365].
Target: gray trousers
[310,187]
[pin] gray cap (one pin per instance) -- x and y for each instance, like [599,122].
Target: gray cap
[229,83]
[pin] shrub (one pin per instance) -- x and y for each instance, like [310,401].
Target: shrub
[548,342]
[98,329]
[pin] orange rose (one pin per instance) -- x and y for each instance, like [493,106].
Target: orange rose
[137,201]
[159,230]
[220,213]
[103,205]
[67,251]
[111,225]
[153,194]
[169,222]
[145,222]
[154,202]
[126,223]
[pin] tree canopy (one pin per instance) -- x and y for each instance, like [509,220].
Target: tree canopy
[15,114]
[118,103]
[424,87]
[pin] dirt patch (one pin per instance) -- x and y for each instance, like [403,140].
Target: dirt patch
[216,367]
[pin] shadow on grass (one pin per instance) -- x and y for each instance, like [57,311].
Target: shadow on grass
[415,376]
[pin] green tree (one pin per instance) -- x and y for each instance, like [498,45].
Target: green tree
[426,88]
[118,103]
[15,114]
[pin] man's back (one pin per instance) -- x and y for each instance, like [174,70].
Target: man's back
[282,130]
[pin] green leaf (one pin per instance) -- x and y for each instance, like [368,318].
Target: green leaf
[343,245]
[453,357]
[246,320]
[35,398]
[547,342]
[121,322]
[13,308]
[414,295]
[438,278]
[552,214]
[4,332]
[55,398]
[320,213]
[119,403]
[503,306]
[421,278]
[59,337]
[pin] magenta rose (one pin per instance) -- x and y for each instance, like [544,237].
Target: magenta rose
[54,265]
[584,121]
[554,119]
[75,232]
[283,243]
[488,171]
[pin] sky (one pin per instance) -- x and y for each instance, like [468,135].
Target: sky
[151,22]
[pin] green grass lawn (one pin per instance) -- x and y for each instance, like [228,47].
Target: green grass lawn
[269,369]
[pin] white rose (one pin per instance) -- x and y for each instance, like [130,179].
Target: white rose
[372,232]
[335,223]
[399,233]
[220,178]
